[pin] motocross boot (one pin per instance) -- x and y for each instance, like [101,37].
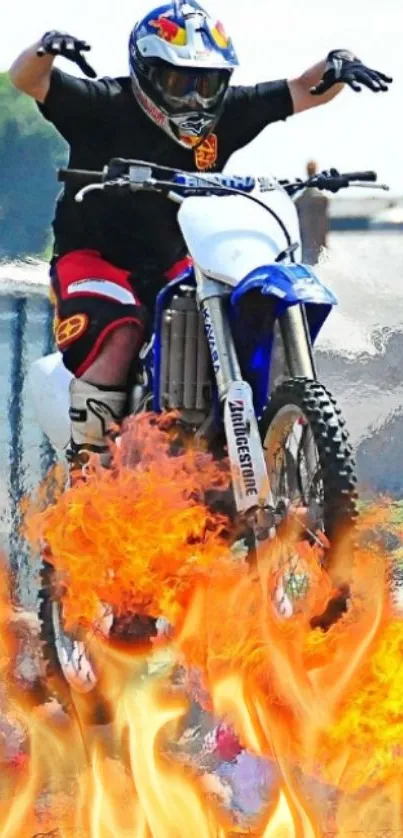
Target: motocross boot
[95,413]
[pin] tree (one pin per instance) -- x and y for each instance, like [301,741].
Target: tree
[30,152]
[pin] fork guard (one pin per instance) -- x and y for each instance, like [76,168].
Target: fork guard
[289,285]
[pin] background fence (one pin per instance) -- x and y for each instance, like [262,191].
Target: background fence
[25,455]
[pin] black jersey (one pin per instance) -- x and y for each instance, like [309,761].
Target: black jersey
[102,119]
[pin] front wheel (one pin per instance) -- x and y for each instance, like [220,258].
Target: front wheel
[311,470]
[309,458]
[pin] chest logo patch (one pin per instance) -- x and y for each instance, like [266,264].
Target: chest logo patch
[206,154]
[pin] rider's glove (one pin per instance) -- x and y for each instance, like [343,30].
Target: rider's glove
[329,179]
[342,67]
[61,43]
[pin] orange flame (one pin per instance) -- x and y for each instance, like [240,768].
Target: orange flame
[136,538]
[325,708]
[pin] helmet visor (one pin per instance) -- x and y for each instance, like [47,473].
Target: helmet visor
[200,89]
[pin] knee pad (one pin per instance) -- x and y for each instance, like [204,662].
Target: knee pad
[91,328]
[93,298]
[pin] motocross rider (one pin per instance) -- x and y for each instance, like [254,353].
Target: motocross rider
[176,108]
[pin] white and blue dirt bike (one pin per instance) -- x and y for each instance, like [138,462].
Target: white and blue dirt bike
[231,352]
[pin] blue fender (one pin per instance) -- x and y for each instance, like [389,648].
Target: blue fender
[290,285]
[282,286]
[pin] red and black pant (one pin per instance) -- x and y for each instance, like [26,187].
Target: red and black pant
[92,298]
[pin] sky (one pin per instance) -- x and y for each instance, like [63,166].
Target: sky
[273,40]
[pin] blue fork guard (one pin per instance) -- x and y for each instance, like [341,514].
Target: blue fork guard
[290,284]
[284,286]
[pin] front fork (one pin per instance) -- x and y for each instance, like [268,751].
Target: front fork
[300,362]
[247,462]
[297,342]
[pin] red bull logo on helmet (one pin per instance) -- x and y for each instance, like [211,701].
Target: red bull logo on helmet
[169,31]
[220,36]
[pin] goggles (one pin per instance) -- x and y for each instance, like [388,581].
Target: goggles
[191,88]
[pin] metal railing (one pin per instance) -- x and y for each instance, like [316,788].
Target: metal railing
[25,455]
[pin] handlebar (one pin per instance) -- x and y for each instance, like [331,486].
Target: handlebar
[333,181]
[363,177]
[136,175]
[79,177]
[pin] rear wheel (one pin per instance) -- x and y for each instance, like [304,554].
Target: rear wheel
[310,466]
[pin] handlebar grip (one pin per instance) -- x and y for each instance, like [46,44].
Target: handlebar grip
[365,177]
[79,177]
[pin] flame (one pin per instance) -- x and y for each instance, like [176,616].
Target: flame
[324,708]
[157,532]
[282,822]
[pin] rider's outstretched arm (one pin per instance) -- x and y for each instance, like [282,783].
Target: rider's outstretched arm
[325,80]
[300,89]
[32,70]
[31,73]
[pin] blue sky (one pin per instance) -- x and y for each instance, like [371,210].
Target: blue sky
[273,40]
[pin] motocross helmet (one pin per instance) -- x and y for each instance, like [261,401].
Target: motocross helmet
[181,63]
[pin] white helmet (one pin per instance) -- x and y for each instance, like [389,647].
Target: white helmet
[181,63]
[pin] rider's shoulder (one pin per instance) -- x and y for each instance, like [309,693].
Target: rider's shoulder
[115,86]
[256,92]
[103,88]
[239,95]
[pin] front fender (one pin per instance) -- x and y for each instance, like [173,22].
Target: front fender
[281,286]
[289,285]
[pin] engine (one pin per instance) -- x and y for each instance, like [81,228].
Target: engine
[185,373]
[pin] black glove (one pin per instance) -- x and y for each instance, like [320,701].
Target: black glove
[60,43]
[329,179]
[344,67]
